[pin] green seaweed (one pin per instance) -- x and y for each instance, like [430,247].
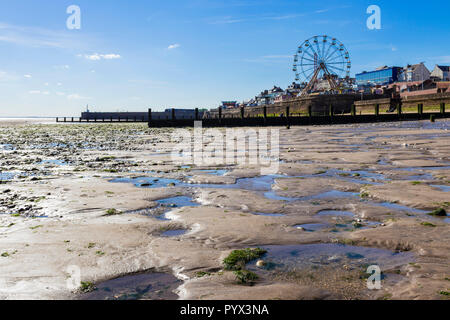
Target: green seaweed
[239,258]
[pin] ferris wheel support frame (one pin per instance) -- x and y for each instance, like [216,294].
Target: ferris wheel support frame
[329,59]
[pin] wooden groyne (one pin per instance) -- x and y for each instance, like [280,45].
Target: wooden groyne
[364,112]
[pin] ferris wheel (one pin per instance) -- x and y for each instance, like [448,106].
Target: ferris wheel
[321,57]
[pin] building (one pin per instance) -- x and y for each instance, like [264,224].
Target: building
[268,96]
[441,73]
[382,76]
[229,104]
[419,88]
[415,72]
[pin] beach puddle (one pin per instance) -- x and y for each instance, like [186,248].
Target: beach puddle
[54,162]
[147,286]
[173,233]
[218,172]
[312,227]
[151,182]
[6,176]
[166,205]
[178,202]
[442,187]
[336,213]
[268,214]
[294,257]
[7,147]
[399,207]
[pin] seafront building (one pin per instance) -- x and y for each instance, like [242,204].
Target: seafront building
[415,72]
[380,77]
[441,73]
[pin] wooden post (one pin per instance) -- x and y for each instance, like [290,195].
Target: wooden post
[196,114]
[220,114]
[118,118]
[443,107]
[287,117]
[265,115]
[242,112]
[57,119]
[377,110]
[65,119]
[420,109]
[173,114]
[399,108]
[330,109]
[310,111]
[353,110]
[79,119]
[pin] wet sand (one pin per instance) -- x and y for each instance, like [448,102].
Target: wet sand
[61,182]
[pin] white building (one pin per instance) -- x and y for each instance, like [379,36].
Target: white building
[441,72]
[415,72]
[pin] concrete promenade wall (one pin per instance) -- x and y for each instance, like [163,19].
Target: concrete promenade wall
[319,104]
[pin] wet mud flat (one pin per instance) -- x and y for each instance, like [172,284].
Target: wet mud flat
[110,200]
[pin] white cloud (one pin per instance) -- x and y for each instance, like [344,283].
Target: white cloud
[63,67]
[442,59]
[76,96]
[28,76]
[45,93]
[39,37]
[5,76]
[97,57]
[174,46]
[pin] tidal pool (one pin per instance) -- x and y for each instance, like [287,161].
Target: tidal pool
[336,213]
[291,257]
[268,214]
[178,202]
[442,187]
[55,162]
[146,286]
[173,233]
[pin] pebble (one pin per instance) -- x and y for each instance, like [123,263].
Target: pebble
[260,263]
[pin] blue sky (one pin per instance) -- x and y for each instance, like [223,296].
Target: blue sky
[131,55]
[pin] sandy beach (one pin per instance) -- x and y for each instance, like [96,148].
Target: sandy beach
[109,200]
